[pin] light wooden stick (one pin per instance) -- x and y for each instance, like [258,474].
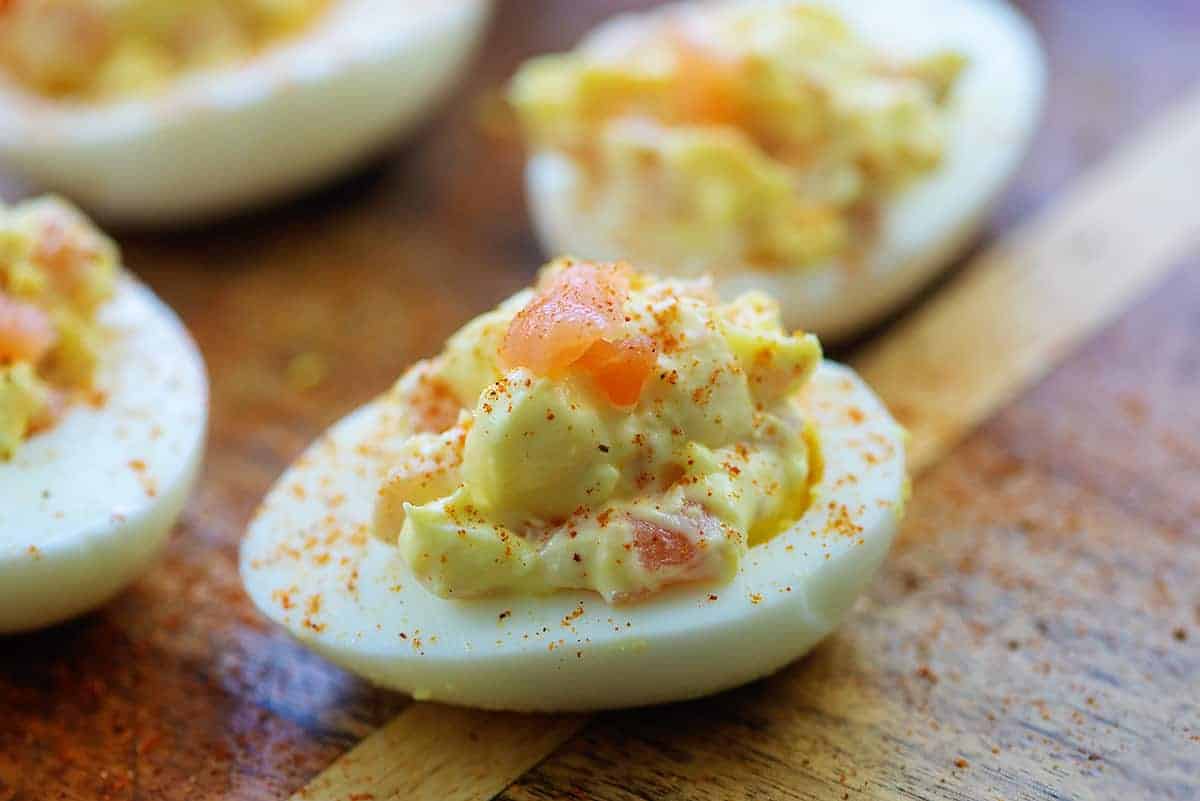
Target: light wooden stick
[1004,323]
[442,753]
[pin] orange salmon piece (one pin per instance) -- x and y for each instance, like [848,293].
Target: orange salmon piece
[582,305]
[26,332]
[620,369]
[659,547]
[708,90]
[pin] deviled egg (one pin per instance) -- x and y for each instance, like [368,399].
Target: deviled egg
[159,111]
[833,153]
[612,490]
[103,408]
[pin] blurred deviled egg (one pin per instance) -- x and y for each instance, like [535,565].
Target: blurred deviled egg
[103,408]
[833,153]
[612,490]
[165,111]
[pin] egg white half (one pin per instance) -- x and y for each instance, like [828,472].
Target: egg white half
[993,112]
[309,562]
[85,506]
[219,142]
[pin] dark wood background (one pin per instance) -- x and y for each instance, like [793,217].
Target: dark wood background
[1036,634]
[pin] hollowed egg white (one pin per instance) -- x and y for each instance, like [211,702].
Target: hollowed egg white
[217,142]
[993,112]
[309,562]
[86,505]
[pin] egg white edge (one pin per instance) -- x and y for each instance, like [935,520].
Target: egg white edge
[995,110]
[47,578]
[222,141]
[529,653]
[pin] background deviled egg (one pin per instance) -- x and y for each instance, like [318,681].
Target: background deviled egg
[712,174]
[103,410]
[265,119]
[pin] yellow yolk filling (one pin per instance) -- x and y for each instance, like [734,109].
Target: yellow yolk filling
[56,269]
[762,134]
[526,482]
[106,49]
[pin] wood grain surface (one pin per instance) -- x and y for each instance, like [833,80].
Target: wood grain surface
[1036,634]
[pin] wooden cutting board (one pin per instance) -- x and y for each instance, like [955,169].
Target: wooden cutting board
[1036,634]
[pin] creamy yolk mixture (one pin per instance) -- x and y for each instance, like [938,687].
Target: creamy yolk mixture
[607,431]
[56,270]
[105,49]
[763,134]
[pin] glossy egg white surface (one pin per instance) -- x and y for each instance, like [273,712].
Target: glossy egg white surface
[993,113]
[309,562]
[219,142]
[85,506]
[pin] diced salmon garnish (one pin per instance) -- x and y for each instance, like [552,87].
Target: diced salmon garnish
[671,553]
[620,369]
[26,332]
[582,305]
[658,547]
[708,85]
[573,325]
